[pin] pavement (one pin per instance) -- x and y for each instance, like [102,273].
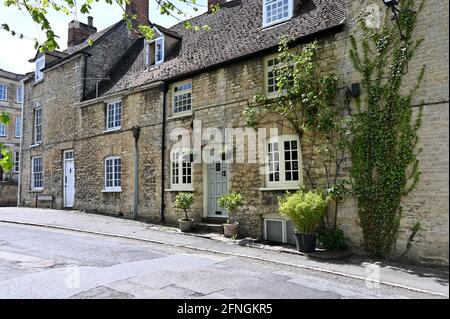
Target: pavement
[362,278]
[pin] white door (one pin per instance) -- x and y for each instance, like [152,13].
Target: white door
[217,186]
[69,179]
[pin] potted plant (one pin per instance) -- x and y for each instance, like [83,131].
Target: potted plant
[184,201]
[231,202]
[305,210]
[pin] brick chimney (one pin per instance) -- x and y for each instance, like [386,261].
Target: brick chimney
[78,31]
[140,9]
[213,2]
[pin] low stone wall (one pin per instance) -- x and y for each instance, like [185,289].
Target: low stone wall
[8,194]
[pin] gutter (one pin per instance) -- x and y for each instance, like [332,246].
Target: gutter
[136,133]
[84,77]
[262,52]
[118,94]
[164,87]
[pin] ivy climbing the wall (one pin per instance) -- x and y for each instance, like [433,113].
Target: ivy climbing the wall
[383,133]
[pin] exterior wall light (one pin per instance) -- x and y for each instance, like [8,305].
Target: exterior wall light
[392,4]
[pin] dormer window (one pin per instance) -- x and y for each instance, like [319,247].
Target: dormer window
[39,65]
[154,51]
[277,11]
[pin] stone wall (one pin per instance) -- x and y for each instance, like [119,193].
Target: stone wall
[139,109]
[428,203]
[62,127]
[60,122]
[105,54]
[8,194]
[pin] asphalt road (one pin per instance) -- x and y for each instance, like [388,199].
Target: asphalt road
[39,262]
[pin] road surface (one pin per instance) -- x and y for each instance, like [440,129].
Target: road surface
[38,262]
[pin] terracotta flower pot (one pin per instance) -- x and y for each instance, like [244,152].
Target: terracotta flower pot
[231,230]
[186,225]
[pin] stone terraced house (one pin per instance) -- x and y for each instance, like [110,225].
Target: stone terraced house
[11,97]
[102,122]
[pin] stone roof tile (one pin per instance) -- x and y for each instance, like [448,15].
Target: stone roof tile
[236,32]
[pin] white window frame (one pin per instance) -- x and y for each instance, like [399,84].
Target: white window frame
[267,3]
[69,155]
[19,94]
[268,69]
[18,127]
[2,130]
[112,125]
[33,172]
[112,188]
[282,183]
[16,162]
[180,185]
[180,94]
[5,92]
[37,125]
[38,74]
[147,50]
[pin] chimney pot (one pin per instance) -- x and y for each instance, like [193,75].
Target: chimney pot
[90,21]
[78,32]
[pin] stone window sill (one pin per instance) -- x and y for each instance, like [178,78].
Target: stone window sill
[278,188]
[112,130]
[36,190]
[180,116]
[117,190]
[35,145]
[179,190]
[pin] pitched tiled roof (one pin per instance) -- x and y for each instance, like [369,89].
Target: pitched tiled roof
[94,37]
[236,32]
[11,75]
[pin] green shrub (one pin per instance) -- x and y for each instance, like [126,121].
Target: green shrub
[304,209]
[333,239]
[231,202]
[184,201]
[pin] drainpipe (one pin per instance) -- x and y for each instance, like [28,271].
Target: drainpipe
[83,94]
[136,132]
[163,88]
[20,144]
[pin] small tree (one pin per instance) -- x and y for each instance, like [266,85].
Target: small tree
[306,99]
[231,202]
[304,209]
[5,154]
[184,201]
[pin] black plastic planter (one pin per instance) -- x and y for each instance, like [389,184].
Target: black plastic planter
[306,243]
